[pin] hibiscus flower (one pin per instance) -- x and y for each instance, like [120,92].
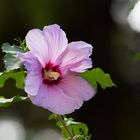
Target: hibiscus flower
[53,66]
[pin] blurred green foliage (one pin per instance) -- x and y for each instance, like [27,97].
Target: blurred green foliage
[136,57]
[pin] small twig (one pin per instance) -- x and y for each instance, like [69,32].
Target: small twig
[66,128]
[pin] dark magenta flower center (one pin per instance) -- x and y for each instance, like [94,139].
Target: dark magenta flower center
[51,74]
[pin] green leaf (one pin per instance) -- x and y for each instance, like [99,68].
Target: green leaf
[79,130]
[22,44]
[53,116]
[97,75]
[4,102]
[10,59]
[18,76]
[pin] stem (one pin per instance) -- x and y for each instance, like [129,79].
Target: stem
[66,128]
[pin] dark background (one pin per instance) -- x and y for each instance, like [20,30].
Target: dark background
[113,114]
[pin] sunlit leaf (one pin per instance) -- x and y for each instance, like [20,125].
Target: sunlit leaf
[97,75]
[4,102]
[7,48]
[11,62]
[18,76]
[10,59]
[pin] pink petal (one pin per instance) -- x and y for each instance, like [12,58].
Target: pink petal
[33,82]
[77,88]
[29,60]
[34,78]
[82,66]
[54,99]
[38,45]
[57,41]
[76,58]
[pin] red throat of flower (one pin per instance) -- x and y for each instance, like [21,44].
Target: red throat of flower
[51,74]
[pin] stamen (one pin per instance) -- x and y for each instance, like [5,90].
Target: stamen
[51,75]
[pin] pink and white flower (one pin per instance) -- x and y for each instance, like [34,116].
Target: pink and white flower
[53,65]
